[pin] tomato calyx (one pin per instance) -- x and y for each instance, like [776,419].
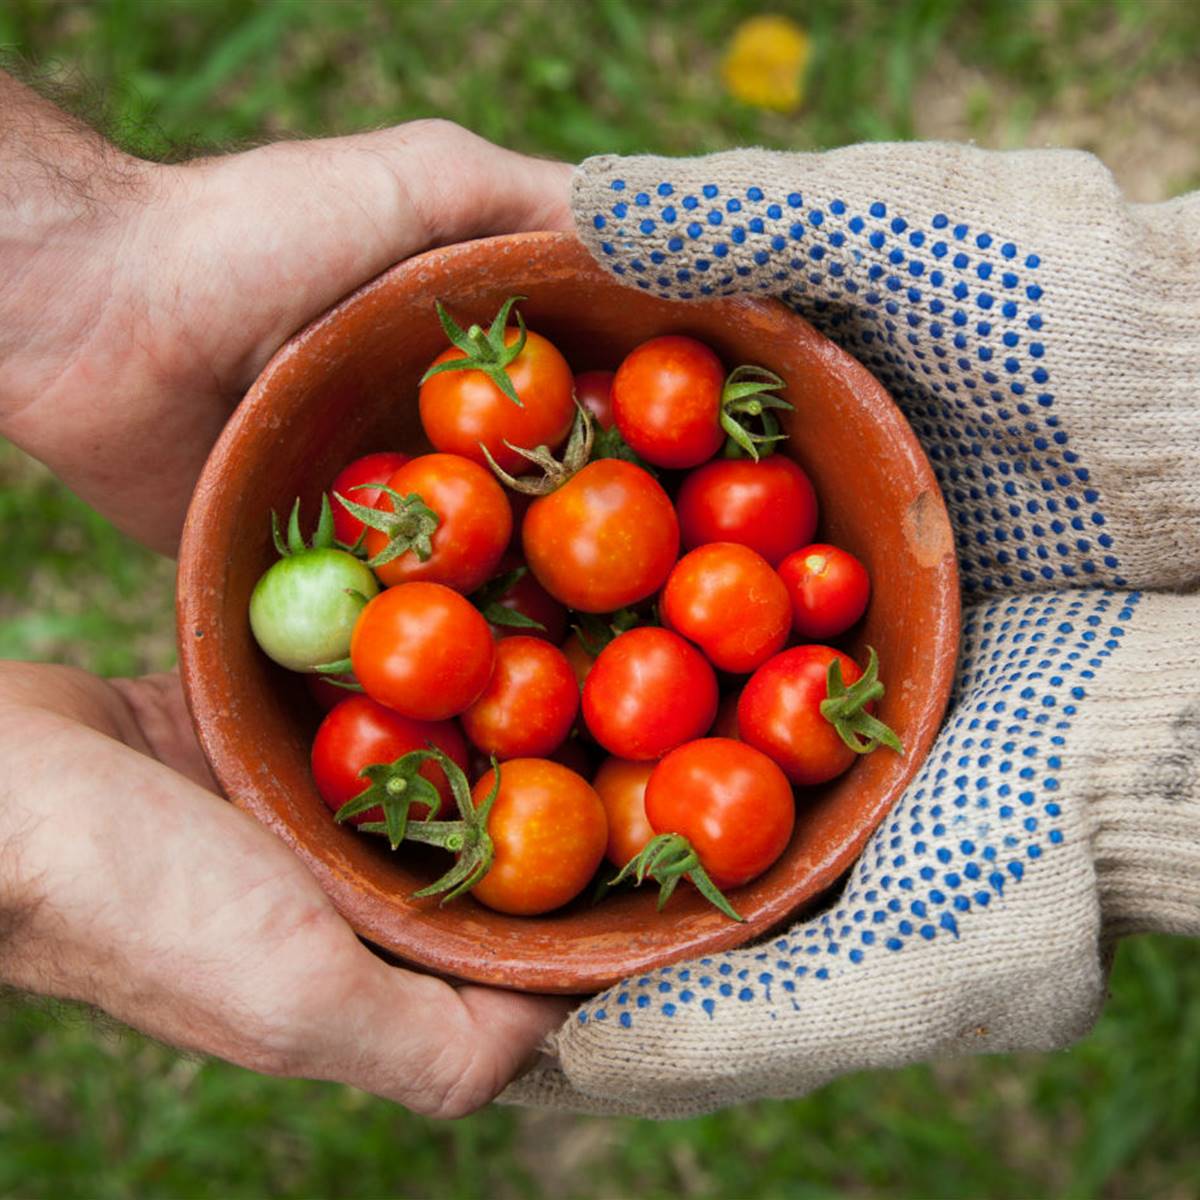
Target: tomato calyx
[667,858]
[394,787]
[322,538]
[595,632]
[468,837]
[746,397]
[487,600]
[845,706]
[484,351]
[409,525]
[556,472]
[608,443]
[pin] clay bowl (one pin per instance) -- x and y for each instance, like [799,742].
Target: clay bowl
[345,386]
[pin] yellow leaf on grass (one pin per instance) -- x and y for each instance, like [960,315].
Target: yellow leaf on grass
[765,63]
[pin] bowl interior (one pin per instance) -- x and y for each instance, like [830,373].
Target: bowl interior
[347,385]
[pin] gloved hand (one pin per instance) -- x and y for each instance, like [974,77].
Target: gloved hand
[1043,337]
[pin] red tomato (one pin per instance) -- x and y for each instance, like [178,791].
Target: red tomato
[529,704]
[666,401]
[729,601]
[527,597]
[621,786]
[768,505]
[593,390]
[648,692]
[371,468]
[461,409]
[474,523]
[604,540]
[828,587]
[423,650]
[549,831]
[780,713]
[359,732]
[732,803]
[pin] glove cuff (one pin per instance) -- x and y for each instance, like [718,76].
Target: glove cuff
[1139,771]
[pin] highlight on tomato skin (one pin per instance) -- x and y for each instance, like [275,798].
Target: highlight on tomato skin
[549,832]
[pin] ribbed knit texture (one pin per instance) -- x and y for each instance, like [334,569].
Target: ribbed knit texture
[1044,339]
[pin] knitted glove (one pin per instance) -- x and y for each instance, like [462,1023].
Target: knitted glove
[1043,337]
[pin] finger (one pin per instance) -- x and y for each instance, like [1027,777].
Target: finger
[437,1050]
[461,186]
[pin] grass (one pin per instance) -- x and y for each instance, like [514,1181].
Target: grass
[89,1111]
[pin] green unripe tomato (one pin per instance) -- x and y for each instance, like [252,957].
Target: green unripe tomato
[304,608]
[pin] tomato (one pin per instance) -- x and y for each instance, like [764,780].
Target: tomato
[828,587]
[768,505]
[463,408]
[593,391]
[732,803]
[666,401]
[605,539]
[325,693]
[729,601]
[351,482]
[358,732]
[780,713]
[621,786]
[474,524]
[423,650]
[516,590]
[529,704]
[303,609]
[647,692]
[549,832]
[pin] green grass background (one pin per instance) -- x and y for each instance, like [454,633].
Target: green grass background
[90,1111]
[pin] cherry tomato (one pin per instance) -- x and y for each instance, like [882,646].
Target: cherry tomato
[731,802]
[768,505]
[474,523]
[648,692]
[729,601]
[549,831]
[666,401]
[780,713]
[621,786]
[593,390]
[423,650]
[359,732]
[529,704]
[371,468]
[605,539]
[828,588]
[461,409]
[527,597]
